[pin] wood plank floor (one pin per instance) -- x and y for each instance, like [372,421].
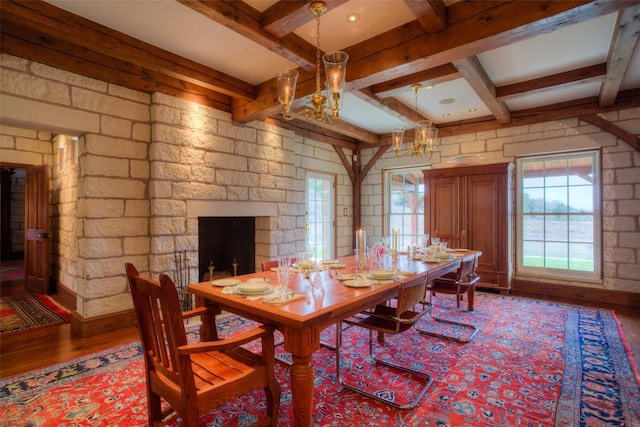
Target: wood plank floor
[37,349]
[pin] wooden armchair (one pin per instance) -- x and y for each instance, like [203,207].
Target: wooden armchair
[198,377]
[386,319]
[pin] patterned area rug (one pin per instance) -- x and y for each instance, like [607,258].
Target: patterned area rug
[28,312]
[533,363]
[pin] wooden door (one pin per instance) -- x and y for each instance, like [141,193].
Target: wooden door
[484,231]
[445,205]
[36,248]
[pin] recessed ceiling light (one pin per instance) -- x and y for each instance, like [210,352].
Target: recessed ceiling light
[353,17]
[473,109]
[447,101]
[429,87]
[445,114]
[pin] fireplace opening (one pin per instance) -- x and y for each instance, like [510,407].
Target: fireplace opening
[227,243]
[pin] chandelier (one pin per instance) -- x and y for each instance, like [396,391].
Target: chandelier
[425,135]
[323,108]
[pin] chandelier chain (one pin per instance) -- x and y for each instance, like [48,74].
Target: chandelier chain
[318,88]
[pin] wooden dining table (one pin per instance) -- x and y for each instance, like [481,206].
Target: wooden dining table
[301,321]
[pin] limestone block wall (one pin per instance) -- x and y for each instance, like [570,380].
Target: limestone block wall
[63,212]
[620,177]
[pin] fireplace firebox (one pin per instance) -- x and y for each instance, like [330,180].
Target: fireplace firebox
[227,243]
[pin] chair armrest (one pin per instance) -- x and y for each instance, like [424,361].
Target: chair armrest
[198,311]
[221,345]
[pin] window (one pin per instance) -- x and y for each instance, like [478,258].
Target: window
[405,205]
[558,205]
[320,215]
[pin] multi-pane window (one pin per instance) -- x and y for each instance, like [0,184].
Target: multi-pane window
[405,205]
[559,215]
[320,215]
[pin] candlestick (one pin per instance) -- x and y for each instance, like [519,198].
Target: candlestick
[361,243]
[395,242]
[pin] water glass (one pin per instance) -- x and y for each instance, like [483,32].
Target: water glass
[284,267]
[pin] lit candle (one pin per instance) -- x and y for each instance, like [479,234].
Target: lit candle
[360,241]
[395,241]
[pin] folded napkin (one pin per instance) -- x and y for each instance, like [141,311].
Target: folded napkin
[279,300]
[406,273]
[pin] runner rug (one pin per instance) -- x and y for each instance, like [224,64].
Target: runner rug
[533,363]
[28,312]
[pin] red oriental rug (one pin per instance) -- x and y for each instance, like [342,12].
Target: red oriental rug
[533,363]
[20,313]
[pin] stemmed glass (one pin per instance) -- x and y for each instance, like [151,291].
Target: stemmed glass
[284,267]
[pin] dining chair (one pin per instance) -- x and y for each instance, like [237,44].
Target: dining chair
[392,319]
[453,240]
[462,281]
[194,378]
[268,265]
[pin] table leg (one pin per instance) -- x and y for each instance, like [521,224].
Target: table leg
[302,390]
[471,293]
[302,344]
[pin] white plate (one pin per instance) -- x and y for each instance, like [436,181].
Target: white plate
[337,265]
[381,274]
[225,282]
[358,283]
[262,280]
[250,288]
[330,261]
[346,276]
[434,259]
[239,291]
[394,277]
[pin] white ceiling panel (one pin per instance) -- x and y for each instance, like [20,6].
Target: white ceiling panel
[573,47]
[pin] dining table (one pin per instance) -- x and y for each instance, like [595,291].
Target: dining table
[302,319]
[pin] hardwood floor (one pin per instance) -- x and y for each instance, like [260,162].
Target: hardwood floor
[37,349]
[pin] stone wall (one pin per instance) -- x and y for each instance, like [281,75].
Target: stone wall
[620,178]
[63,212]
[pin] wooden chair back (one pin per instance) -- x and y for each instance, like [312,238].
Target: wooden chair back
[161,327]
[268,265]
[453,240]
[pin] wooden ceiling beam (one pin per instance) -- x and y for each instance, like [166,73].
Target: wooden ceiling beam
[308,130]
[582,75]
[431,77]
[284,17]
[431,14]
[612,128]
[625,38]
[475,74]
[392,106]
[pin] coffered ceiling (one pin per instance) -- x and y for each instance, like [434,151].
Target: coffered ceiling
[491,64]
